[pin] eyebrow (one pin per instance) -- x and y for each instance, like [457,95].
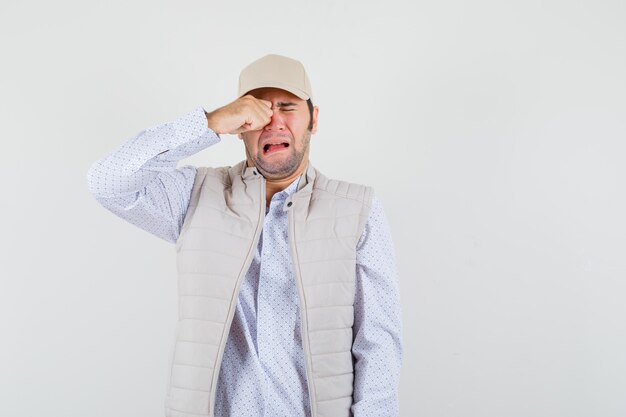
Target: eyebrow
[285,104]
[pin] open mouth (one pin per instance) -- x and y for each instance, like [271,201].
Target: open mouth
[274,147]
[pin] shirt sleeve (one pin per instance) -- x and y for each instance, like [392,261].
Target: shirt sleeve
[377,346]
[139,181]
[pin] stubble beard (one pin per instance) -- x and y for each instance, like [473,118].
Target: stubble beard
[287,164]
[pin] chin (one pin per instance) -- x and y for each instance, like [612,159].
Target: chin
[276,171]
[272,174]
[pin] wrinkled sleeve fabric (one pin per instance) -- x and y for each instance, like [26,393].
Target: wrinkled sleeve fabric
[377,346]
[140,182]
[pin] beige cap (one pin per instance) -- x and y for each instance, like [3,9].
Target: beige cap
[276,71]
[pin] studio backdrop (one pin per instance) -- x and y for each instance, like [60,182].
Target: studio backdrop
[492,132]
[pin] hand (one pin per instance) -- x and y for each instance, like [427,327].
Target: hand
[242,115]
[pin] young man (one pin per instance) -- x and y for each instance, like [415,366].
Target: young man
[288,288]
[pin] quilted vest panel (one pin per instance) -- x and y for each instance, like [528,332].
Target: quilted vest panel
[214,251]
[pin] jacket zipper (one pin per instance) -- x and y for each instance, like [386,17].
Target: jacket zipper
[303,315]
[231,311]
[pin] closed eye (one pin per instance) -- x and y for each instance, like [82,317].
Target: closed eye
[286,105]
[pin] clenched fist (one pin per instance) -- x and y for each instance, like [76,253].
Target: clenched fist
[244,114]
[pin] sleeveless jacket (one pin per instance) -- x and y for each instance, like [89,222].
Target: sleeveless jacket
[215,248]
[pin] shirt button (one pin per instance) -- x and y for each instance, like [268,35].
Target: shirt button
[289,204]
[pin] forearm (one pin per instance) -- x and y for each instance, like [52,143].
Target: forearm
[139,181]
[378,358]
[377,353]
[138,161]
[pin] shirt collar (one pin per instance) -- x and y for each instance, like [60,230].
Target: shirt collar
[290,189]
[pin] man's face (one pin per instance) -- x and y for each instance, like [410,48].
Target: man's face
[281,147]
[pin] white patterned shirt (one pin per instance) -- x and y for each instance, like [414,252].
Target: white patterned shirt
[262,371]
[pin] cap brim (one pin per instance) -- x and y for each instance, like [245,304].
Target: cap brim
[276,84]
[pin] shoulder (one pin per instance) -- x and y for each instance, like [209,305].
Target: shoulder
[343,189]
[216,175]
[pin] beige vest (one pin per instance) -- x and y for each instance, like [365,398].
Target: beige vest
[214,251]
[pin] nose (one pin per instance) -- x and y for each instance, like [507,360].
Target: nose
[276,122]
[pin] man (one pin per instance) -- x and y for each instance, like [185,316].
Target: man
[288,294]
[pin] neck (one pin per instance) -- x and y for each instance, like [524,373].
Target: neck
[273,186]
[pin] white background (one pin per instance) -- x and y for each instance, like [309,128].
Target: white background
[492,131]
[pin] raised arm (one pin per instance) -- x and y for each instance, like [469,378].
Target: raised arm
[139,181]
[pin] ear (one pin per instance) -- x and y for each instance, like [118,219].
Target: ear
[314,121]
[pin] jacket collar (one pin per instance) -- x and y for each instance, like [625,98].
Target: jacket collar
[305,185]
